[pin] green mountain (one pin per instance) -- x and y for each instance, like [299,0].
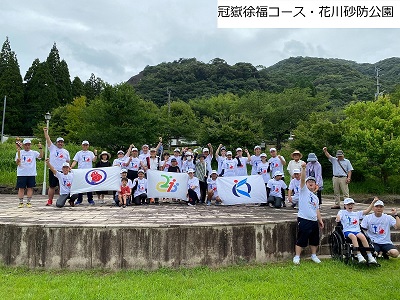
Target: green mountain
[342,80]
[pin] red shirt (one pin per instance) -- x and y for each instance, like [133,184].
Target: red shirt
[124,190]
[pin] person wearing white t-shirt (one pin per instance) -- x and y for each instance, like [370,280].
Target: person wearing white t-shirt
[242,169]
[84,159]
[295,163]
[212,193]
[140,189]
[378,229]
[350,221]
[65,178]
[220,156]
[308,218]
[58,156]
[230,165]
[122,159]
[208,156]
[275,190]
[26,170]
[294,188]
[193,186]
[255,159]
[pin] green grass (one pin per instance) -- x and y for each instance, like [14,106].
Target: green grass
[329,280]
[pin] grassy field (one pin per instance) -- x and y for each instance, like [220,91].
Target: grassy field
[328,280]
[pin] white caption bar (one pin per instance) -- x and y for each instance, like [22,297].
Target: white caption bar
[308,14]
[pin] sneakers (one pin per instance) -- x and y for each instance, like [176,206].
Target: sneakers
[71,203]
[28,205]
[190,204]
[371,260]
[361,258]
[78,203]
[20,205]
[296,260]
[315,259]
[208,203]
[49,202]
[91,202]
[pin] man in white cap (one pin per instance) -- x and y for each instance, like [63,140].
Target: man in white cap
[242,168]
[26,171]
[208,156]
[342,170]
[220,156]
[276,162]
[84,159]
[308,218]
[255,159]
[58,156]
[378,229]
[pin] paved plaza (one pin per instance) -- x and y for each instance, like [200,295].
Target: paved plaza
[162,215]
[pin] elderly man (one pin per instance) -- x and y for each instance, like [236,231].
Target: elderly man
[58,156]
[378,229]
[342,170]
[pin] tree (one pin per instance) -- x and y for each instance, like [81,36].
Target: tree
[59,71]
[12,87]
[93,87]
[372,137]
[78,87]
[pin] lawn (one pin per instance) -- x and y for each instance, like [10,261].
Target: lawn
[328,280]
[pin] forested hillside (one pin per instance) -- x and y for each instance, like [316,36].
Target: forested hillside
[341,80]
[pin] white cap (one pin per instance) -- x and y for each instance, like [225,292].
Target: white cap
[214,172]
[278,173]
[59,139]
[177,150]
[190,171]
[65,164]
[263,155]
[26,141]
[272,149]
[120,152]
[141,171]
[238,149]
[296,171]
[123,171]
[311,178]
[85,143]
[257,147]
[135,149]
[206,150]
[348,201]
[379,202]
[188,153]
[229,153]
[145,145]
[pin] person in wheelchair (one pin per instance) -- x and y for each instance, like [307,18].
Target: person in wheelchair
[378,229]
[351,227]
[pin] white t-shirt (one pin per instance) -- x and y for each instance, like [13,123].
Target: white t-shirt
[212,185]
[65,182]
[351,220]
[193,183]
[220,160]
[58,156]
[188,164]
[120,162]
[254,161]
[276,164]
[230,167]
[262,168]
[242,170]
[134,164]
[378,229]
[308,204]
[27,167]
[276,187]
[294,185]
[208,159]
[292,165]
[141,186]
[84,159]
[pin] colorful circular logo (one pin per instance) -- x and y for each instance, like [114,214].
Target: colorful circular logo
[95,177]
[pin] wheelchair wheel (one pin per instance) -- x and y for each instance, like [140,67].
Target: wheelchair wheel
[336,246]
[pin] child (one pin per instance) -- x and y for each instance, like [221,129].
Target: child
[274,190]
[294,188]
[351,227]
[188,163]
[173,167]
[212,189]
[193,186]
[140,189]
[65,179]
[124,192]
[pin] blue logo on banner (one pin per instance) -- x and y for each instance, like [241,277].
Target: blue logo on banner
[238,188]
[95,177]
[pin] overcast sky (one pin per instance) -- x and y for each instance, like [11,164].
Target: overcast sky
[116,39]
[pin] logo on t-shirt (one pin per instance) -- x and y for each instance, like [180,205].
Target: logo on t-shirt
[377,229]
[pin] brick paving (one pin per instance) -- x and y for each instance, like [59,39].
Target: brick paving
[162,215]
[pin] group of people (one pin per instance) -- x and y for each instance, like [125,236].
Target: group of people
[304,190]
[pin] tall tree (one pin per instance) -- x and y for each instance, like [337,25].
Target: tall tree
[12,87]
[40,92]
[59,71]
[93,87]
[78,87]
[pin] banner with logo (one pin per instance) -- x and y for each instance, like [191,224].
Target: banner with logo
[241,189]
[96,179]
[166,184]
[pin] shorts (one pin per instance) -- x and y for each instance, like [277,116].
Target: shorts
[26,182]
[53,180]
[346,233]
[385,248]
[308,233]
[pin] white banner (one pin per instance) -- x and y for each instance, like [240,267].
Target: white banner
[166,184]
[96,179]
[241,189]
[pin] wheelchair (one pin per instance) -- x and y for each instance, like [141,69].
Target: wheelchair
[342,249]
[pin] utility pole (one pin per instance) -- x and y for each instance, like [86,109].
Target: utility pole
[377,82]
[4,116]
